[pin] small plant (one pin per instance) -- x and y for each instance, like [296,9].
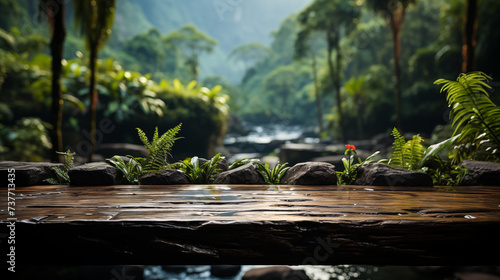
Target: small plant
[348,176]
[158,150]
[446,173]
[271,176]
[132,169]
[200,174]
[406,154]
[61,173]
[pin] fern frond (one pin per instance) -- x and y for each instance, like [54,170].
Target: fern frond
[62,175]
[144,139]
[159,148]
[413,152]
[398,159]
[471,106]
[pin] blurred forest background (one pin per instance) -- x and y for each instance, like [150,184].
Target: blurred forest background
[211,64]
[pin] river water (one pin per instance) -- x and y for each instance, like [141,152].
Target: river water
[262,140]
[339,272]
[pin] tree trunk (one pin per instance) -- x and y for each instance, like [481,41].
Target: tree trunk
[336,81]
[469,34]
[93,101]
[56,18]
[332,39]
[397,18]
[316,90]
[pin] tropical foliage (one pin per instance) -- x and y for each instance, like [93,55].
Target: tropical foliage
[26,140]
[200,173]
[348,176]
[132,168]
[406,154]
[61,176]
[272,176]
[474,116]
[444,173]
[158,148]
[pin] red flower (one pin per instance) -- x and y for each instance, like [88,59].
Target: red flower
[350,147]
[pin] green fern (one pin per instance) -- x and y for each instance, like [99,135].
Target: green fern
[407,154]
[61,173]
[475,117]
[414,152]
[398,158]
[159,148]
[158,152]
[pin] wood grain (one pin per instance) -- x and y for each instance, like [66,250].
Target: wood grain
[256,224]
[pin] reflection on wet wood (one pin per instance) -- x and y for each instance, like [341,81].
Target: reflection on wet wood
[257,224]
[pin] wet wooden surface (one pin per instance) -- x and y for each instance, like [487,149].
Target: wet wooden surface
[243,224]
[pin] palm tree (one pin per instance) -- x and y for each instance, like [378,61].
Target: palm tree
[332,17]
[250,54]
[95,18]
[193,42]
[55,15]
[395,11]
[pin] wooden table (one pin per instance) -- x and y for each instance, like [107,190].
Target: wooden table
[255,224]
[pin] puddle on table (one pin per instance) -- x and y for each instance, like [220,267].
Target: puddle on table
[207,193]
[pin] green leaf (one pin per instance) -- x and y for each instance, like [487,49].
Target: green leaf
[436,148]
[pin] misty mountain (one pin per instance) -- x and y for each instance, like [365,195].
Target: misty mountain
[230,22]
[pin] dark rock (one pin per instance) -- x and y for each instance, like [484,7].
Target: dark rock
[164,177]
[245,174]
[377,174]
[481,173]
[225,270]
[222,164]
[275,273]
[28,173]
[311,173]
[95,174]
